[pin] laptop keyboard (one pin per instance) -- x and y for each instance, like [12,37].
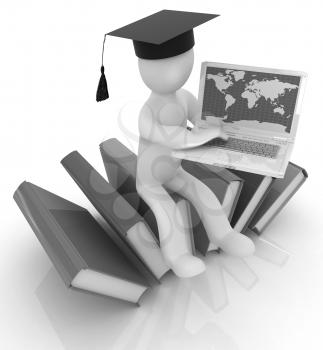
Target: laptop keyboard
[246,146]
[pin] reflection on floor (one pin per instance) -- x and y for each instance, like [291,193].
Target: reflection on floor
[180,313]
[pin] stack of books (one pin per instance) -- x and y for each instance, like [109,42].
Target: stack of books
[124,260]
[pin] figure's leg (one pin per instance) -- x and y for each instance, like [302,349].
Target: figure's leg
[171,229]
[211,213]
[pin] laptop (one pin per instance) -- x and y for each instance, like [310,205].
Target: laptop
[259,111]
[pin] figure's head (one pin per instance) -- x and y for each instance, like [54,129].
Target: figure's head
[166,75]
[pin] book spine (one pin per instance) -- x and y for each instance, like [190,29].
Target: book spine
[111,169]
[63,263]
[254,230]
[235,202]
[301,169]
[201,240]
[257,207]
[188,207]
[282,205]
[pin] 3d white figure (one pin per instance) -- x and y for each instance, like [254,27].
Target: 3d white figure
[162,127]
[163,43]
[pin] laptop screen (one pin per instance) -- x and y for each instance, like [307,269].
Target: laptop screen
[248,97]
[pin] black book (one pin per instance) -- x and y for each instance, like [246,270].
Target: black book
[254,190]
[121,166]
[279,194]
[131,231]
[82,252]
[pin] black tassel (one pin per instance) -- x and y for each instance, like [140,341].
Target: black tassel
[102,91]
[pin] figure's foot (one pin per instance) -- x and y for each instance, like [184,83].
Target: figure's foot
[236,244]
[187,265]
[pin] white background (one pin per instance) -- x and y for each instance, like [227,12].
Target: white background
[50,61]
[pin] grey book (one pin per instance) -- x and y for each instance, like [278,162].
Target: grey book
[279,194]
[82,252]
[130,228]
[227,188]
[121,166]
[254,190]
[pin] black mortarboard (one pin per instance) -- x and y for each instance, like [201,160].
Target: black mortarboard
[164,34]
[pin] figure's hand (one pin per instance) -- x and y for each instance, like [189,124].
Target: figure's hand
[198,137]
[201,124]
[206,131]
[209,121]
[212,132]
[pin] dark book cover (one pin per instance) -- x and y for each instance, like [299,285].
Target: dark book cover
[71,237]
[254,190]
[280,193]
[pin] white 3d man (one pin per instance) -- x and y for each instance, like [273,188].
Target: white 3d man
[164,43]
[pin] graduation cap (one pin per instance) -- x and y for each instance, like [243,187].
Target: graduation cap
[163,34]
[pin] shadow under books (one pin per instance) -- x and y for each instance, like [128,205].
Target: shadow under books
[179,312]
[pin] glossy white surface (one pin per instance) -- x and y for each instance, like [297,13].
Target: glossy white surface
[50,61]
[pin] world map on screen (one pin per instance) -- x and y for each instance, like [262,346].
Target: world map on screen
[251,99]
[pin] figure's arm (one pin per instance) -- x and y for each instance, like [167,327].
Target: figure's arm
[191,102]
[176,137]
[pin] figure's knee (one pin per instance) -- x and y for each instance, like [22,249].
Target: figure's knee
[204,194]
[140,189]
[144,191]
[153,193]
